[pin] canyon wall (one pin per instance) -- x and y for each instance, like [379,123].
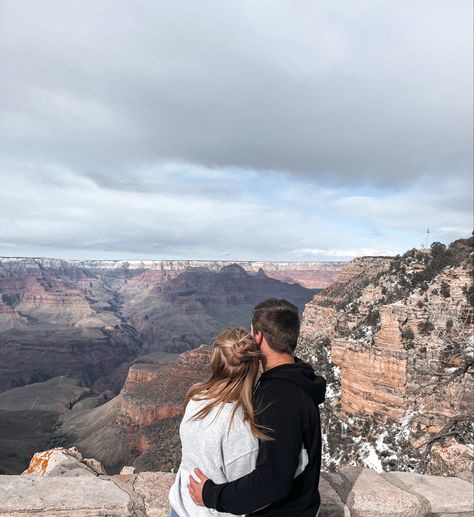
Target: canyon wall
[314,275]
[90,322]
[140,426]
[153,392]
[88,319]
[57,319]
[394,337]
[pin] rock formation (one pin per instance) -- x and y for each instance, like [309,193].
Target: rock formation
[313,275]
[57,319]
[394,339]
[452,459]
[62,317]
[63,462]
[161,390]
[194,306]
[141,425]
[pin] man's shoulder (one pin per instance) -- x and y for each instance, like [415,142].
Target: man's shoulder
[277,391]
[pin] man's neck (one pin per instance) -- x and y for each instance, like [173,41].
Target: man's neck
[274,360]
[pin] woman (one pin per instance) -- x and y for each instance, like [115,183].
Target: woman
[218,430]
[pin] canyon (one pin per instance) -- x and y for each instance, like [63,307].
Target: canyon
[140,426]
[61,318]
[395,347]
[392,336]
[89,323]
[314,275]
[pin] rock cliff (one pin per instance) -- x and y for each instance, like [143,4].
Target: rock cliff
[140,426]
[195,305]
[57,319]
[394,339]
[314,275]
[154,392]
[86,319]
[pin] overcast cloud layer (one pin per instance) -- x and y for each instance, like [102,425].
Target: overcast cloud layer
[240,129]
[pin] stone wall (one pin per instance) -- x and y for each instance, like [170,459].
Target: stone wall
[352,492]
[60,482]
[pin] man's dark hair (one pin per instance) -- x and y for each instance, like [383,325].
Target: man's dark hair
[279,322]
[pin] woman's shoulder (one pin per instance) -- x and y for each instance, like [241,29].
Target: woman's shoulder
[197,404]
[219,413]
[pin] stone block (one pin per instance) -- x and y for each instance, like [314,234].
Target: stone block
[81,496]
[446,495]
[368,494]
[154,488]
[331,503]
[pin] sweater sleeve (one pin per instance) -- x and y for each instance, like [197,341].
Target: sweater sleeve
[277,460]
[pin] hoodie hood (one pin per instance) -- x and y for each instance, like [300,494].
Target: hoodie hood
[303,375]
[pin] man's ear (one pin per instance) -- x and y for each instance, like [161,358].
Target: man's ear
[258,336]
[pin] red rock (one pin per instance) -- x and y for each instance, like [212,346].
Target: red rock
[154,392]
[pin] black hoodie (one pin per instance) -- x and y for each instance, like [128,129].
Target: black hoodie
[286,401]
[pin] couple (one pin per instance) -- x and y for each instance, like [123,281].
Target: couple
[258,444]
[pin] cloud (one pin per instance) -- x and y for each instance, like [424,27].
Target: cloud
[444,207]
[75,213]
[345,92]
[239,129]
[349,253]
[203,214]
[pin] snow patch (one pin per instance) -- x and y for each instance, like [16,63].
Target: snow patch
[370,457]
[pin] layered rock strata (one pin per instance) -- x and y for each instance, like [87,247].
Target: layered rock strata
[194,306]
[155,392]
[58,319]
[314,275]
[395,343]
[140,425]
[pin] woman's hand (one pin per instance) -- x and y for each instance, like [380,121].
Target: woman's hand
[195,488]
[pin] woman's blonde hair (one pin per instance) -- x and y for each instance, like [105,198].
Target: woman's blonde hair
[234,370]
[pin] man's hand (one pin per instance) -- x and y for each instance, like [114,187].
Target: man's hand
[195,488]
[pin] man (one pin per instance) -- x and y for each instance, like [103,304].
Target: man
[286,476]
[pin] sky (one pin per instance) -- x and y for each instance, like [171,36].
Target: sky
[237,130]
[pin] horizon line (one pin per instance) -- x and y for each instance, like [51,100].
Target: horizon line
[185,260]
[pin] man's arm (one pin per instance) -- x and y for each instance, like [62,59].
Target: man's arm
[274,472]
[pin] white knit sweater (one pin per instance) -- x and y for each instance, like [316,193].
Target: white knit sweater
[221,453]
